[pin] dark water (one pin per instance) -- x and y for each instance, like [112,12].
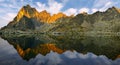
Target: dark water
[59,50]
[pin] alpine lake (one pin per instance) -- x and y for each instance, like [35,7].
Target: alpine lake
[59,50]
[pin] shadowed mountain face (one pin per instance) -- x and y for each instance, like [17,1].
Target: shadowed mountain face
[42,16]
[30,46]
[31,19]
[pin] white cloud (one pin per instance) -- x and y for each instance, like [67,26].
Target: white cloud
[100,3]
[41,6]
[71,11]
[54,58]
[53,6]
[106,6]
[83,10]
[9,16]
[1,0]
[3,5]
[22,0]
[94,10]
[12,14]
[64,1]
[108,3]
[70,54]
[3,22]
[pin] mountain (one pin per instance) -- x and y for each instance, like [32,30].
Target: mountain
[24,19]
[26,11]
[29,18]
[107,21]
[44,16]
[55,17]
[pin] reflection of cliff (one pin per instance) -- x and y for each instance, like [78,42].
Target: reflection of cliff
[118,56]
[29,47]
[42,49]
[108,46]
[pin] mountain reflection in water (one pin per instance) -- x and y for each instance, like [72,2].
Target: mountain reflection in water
[59,50]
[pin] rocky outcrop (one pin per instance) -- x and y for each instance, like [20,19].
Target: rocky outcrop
[27,11]
[29,18]
[55,17]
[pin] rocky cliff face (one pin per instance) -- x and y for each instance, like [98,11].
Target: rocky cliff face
[55,17]
[27,11]
[43,16]
[29,18]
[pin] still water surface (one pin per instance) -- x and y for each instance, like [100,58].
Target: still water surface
[59,50]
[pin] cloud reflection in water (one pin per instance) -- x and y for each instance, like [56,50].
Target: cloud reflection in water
[9,56]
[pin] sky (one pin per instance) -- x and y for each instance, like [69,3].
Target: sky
[10,8]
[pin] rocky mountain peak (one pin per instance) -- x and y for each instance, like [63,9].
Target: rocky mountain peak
[118,9]
[44,11]
[30,18]
[44,15]
[27,11]
[55,17]
[113,9]
[27,6]
[84,13]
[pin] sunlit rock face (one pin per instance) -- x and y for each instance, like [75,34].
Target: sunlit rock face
[42,16]
[47,18]
[30,16]
[31,19]
[55,17]
[27,11]
[118,56]
[117,9]
[41,49]
[27,18]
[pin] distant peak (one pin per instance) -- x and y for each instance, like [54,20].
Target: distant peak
[44,11]
[117,9]
[27,6]
[27,11]
[84,13]
[114,9]
[60,13]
